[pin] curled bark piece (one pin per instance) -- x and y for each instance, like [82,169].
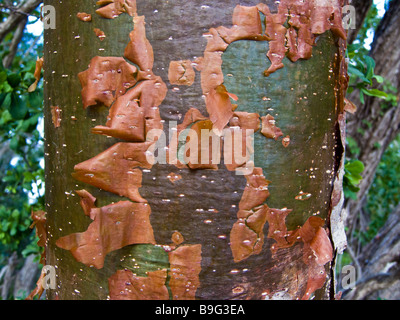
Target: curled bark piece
[349,106]
[173,177]
[113,227]
[40,222]
[238,142]
[269,129]
[321,247]
[124,285]
[139,49]
[135,113]
[113,8]
[37,74]
[277,229]
[204,152]
[247,235]
[83,16]
[256,190]
[306,20]
[185,267]
[219,108]
[87,202]
[177,238]
[245,120]
[56,116]
[192,116]
[116,169]
[181,73]
[106,79]
[99,33]
[39,289]
[317,251]
[246,25]
[211,71]
[286,141]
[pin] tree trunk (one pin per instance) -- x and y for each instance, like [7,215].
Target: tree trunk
[121,227]
[379,263]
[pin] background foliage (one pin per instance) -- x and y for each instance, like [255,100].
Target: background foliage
[21,145]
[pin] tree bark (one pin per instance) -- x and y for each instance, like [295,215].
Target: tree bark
[379,262]
[212,233]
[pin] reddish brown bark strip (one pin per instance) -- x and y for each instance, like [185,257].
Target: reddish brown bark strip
[181,73]
[116,169]
[113,8]
[56,116]
[269,128]
[106,79]
[83,16]
[247,235]
[99,34]
[124,285]
[139,49]
[113,227]
[185,267]
[135,113]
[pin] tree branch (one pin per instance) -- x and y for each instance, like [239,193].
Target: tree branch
[17,16]
[379,260]
[18,34]
[361,7]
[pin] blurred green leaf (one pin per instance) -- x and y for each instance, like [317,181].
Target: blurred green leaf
[14,79]
[374,93]
[18,108]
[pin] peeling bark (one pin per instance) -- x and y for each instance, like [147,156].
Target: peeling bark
[235,258]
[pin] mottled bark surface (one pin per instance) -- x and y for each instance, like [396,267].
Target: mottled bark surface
[202,206]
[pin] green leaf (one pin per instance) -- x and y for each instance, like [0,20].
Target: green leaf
[352,70]
[375,93]
[378,79]
[14,80]
[355,166]
[36,99]
[7,101]
[370,62]
[18,108]
[5,117]
[15,214]
[14,142]
[3,76]
[362,100]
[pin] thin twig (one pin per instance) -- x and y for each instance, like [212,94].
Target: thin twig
[18,34]
[356,262]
